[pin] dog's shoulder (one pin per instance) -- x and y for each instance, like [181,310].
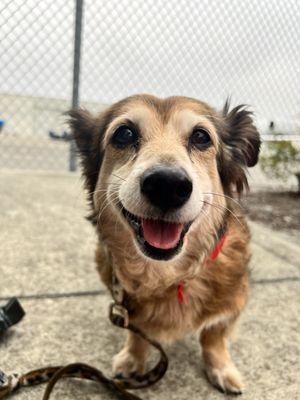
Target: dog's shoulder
[104,263]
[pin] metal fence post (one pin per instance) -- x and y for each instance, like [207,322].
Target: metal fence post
[76,74]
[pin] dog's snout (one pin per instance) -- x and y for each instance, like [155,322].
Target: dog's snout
[166,187]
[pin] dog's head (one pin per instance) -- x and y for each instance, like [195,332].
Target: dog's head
[161,166]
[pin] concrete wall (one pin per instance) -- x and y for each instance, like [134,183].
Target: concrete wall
[24,115]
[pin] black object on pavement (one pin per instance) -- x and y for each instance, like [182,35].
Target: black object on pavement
[10,314]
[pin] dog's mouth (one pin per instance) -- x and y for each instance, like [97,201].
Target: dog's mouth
[157,239]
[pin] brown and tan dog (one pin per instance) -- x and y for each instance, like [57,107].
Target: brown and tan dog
[161,174]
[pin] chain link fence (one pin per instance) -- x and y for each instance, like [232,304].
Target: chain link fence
[208,49]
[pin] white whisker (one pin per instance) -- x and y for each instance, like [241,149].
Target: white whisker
[219,207]
[224,195]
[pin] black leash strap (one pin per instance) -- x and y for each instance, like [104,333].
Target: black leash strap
[51,375]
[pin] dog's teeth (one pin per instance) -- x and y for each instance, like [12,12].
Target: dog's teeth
[135,224]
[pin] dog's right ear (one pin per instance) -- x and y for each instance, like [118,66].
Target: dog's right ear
[88,136]
[82,124]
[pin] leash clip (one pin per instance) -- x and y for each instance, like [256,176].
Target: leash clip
[8,383]
[119,315]
[3,379]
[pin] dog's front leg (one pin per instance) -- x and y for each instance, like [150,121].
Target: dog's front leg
[219,368]
[132,358]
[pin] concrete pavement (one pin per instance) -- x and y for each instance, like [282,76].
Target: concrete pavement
[41,223]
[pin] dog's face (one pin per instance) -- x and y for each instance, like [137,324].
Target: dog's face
[160,165]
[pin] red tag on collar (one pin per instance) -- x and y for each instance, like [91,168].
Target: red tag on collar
[180,294]
[212,257]
[218,248]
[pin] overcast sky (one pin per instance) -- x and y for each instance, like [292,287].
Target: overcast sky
[207,49]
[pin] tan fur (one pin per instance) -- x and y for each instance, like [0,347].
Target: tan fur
[215,292]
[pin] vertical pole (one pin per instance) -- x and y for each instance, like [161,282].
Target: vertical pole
[76,74]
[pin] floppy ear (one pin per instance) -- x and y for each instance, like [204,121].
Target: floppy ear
[87,134]
[241,144]
[82,124]
[241,136]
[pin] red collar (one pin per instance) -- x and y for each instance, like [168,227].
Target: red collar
[217,250]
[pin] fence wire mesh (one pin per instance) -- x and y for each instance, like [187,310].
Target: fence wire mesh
[246,49]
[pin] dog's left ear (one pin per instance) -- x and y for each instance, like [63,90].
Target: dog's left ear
[241,136]
[239,149]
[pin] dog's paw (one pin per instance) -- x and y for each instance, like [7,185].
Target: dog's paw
[127,365]
[227,379]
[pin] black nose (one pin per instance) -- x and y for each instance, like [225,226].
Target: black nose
[166,187]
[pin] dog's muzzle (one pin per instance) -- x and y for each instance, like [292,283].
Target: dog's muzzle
[165,189]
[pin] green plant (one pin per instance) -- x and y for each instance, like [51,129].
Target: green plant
[280,160]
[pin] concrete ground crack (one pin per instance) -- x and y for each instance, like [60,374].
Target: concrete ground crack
[101,292]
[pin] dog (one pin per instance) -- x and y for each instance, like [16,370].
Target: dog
[161,175]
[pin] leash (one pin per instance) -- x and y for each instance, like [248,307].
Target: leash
[119,316]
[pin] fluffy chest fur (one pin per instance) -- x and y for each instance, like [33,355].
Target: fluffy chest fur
[213,291]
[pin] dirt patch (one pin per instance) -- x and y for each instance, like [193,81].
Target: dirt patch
[278,210]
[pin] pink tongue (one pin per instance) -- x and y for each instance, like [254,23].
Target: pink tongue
[160,234]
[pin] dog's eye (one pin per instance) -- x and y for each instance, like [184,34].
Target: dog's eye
[200,139]
[124,136]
